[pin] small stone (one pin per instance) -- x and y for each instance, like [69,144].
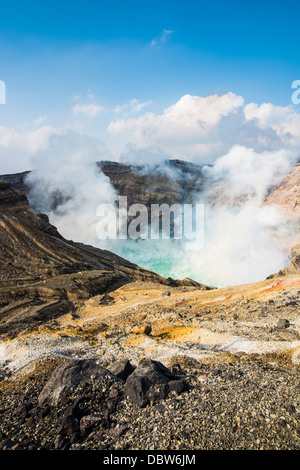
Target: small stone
[45,411]
[88,423]
[202,378]
[160,408]
[143,330]
[283,323]
[166,293]
[75,437]
[116,432]
[230,376]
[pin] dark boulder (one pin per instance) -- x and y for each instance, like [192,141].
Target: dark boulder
[67,376]
[151,381]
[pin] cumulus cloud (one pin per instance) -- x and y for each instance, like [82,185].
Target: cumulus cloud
[283,120]
[201,129]
[183,127]
[189,116]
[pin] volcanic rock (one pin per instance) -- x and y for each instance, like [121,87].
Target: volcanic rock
[152,381]
[121,369]
[68,376]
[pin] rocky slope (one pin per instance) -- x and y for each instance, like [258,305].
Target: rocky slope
[156,370]
[43,275]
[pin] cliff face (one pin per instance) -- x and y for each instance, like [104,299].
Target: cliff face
[163,186]
[42,275]
[158,187]
[17,180]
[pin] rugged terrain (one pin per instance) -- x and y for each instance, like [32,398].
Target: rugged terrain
[43,275]
[98,353]
[234,354]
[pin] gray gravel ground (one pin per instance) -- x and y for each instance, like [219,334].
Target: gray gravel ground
[240,402]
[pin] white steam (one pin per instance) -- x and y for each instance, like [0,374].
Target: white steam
[68,186]
[245,240]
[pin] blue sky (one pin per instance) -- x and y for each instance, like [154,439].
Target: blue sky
[56,54]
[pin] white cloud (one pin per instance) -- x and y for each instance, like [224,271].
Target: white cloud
[283,120]
[133,106]
[162,38]
[16,148]
[194,128]
[39,120]
[182,127]
[190,116]
[201,129]
[27,141]
[89,110]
